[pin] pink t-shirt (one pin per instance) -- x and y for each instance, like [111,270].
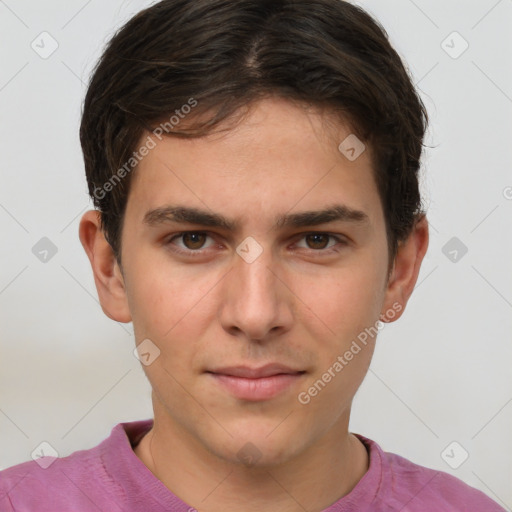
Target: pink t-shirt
[111,478]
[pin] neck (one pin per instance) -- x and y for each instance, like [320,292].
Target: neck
[319,476]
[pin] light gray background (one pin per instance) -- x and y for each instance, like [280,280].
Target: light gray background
[442,373]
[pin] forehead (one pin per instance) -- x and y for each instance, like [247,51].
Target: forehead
[279,158]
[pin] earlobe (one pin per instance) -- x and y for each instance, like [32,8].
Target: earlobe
[107,275]
[405,272]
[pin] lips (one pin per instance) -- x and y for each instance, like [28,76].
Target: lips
[256,373]
[256,384]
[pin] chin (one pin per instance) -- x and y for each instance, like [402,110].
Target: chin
[258,445]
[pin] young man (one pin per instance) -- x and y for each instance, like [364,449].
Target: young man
[254,165]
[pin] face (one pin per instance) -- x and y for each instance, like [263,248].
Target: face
[268,286]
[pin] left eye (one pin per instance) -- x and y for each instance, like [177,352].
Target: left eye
[319,240]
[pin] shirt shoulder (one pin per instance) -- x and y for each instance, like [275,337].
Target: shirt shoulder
[77,481]
[109,476]
[410,487]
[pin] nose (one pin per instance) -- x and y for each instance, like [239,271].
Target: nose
[256,303]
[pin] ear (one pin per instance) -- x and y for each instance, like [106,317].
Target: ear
[107,274]
[406,268]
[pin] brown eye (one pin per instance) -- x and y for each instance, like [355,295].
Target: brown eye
[322,243]
[190,243]
[193,241]
[318,240]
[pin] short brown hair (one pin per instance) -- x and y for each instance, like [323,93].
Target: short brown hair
[224,55]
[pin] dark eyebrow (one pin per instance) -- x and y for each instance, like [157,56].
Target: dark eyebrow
[188,215]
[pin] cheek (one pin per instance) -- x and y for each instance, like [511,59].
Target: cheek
[343,326]
[163,295]
[340,303]
[172,306]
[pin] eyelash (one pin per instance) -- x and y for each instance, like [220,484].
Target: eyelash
[200,252]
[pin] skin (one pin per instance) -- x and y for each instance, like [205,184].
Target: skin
[297,304]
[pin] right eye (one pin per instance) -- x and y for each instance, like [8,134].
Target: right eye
[192,241]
